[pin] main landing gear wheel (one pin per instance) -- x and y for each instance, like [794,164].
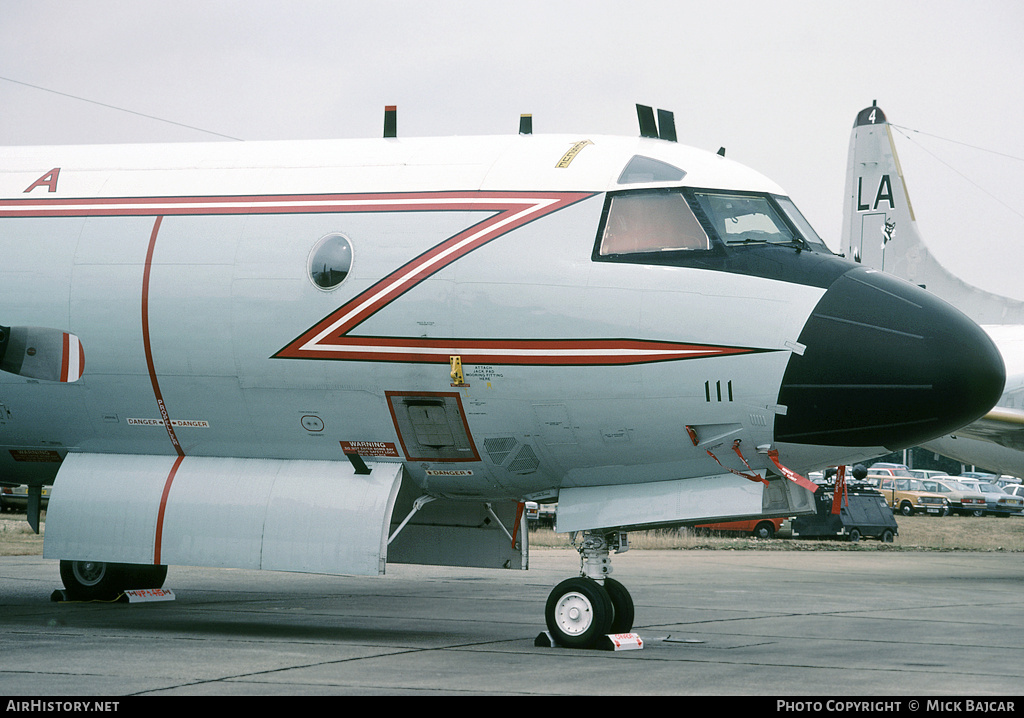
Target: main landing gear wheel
[101,581]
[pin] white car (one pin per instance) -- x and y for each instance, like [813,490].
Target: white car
[962,498]
[1015,490]
[929,474]
[998,502]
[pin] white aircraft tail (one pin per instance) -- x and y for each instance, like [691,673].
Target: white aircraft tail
[880,230]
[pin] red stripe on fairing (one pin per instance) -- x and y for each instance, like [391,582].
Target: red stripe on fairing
[159,533]
[280,204]
[72,359]
[145,339]
[566,352]
[65,357]
[158,541]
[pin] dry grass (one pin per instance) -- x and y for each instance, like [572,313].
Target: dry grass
[17,538]
[916,533]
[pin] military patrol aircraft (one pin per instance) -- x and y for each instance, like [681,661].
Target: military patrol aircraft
[880,230]
[325,356]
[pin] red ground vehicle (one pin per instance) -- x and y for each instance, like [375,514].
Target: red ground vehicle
[761,528]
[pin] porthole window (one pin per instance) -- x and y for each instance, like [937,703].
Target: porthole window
[330,261]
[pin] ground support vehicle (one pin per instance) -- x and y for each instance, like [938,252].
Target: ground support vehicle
[15,497]
[540,515]
[865,514]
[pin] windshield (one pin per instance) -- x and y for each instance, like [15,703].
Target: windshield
[651,222]
[800,221]
[744,219]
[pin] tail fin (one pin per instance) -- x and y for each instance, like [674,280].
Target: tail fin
[880,230]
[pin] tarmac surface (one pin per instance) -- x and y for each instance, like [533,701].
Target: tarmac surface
[841,624]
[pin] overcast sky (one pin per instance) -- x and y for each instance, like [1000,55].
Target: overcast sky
[777,83]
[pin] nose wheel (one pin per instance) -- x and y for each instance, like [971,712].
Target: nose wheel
[580,610]
[622,606]
[101,581]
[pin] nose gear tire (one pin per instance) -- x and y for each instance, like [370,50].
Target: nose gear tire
[622,605]
[578,612]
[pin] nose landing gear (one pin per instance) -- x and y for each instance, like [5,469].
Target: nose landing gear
[580,610]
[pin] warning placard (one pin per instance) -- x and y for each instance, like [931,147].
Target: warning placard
[35,455]
[369,448]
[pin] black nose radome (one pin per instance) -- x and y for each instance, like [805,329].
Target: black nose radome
[886,364]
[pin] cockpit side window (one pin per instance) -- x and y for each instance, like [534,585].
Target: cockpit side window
[744,219]
[801,223]
[651,222]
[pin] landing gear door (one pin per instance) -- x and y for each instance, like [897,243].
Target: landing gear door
[270,514]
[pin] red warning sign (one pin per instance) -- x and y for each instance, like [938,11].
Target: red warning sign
[35,455]
[370,448]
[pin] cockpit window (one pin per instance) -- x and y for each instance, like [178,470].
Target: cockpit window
[651,222]
[745,219]
[802,225]
[644,169]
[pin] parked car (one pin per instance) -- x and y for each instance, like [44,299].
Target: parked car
[759,528]
[979,475]
[962,498]
[890,470]
[929,474]
[997,501]
[908,496]
[1015,490]
[1004,481]
[14,497]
